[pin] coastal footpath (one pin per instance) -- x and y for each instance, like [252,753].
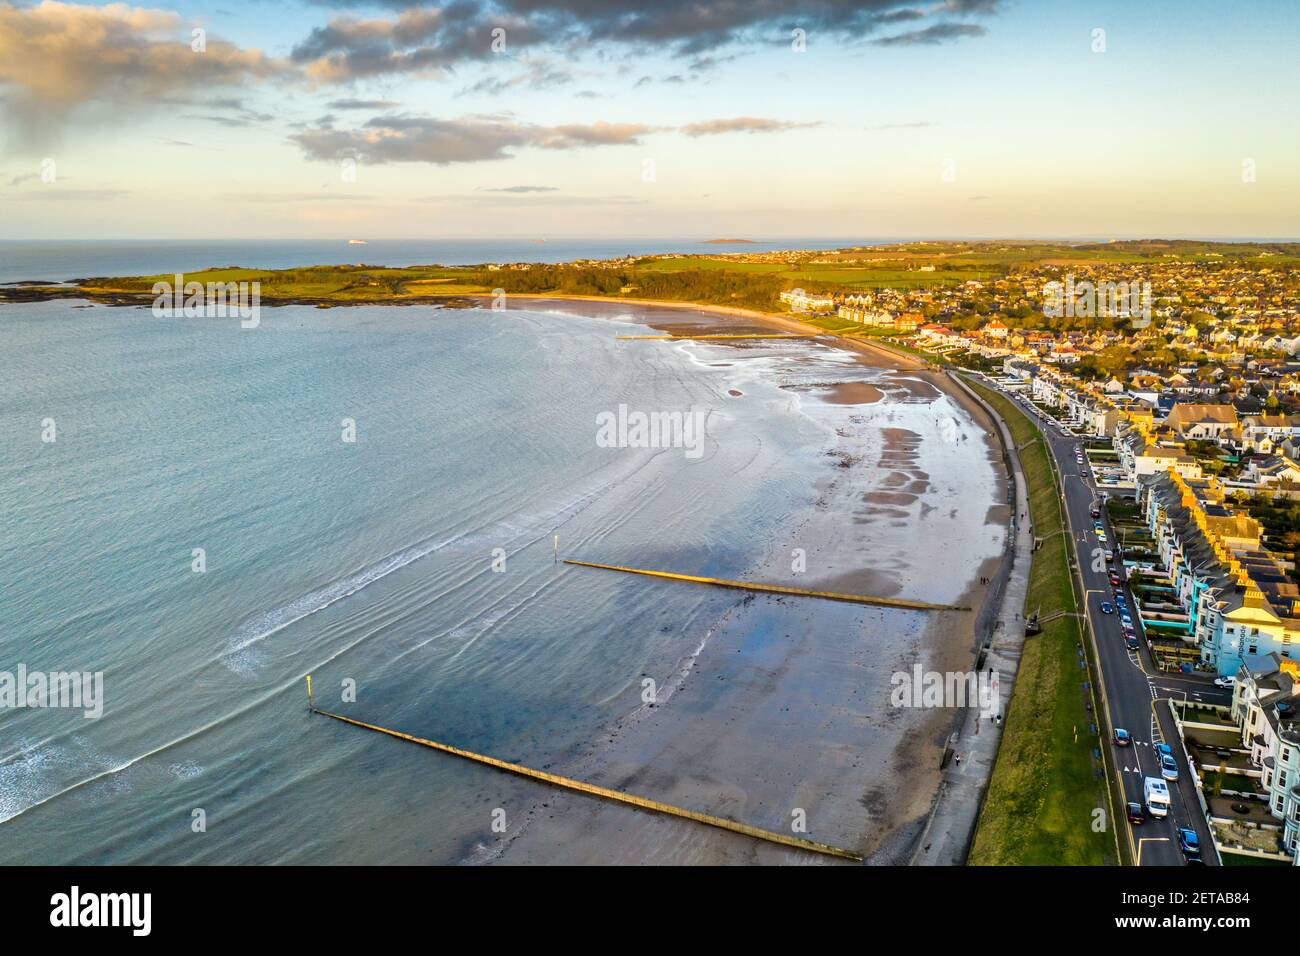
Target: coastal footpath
[1045,789]
[950,830]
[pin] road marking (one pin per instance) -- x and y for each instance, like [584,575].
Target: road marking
[1142,840]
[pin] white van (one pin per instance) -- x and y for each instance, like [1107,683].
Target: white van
[1156,792]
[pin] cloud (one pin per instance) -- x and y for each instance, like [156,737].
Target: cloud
[429,39]
[675,78]
[933,35]
[902,16]
[537,75]
[471,139]
[416,139]
[228,111]
[521,189]
[59,57]
[416,41]
[924,124]
[981,7]
[742,124]
[355,104]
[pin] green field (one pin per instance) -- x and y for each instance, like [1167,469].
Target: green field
[1039,809]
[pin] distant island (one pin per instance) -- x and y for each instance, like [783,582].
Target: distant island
[729,242]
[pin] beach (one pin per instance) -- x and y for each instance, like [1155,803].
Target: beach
[780,712]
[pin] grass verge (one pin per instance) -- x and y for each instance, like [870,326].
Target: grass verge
[1042,799]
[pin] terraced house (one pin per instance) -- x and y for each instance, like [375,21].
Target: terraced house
[1142,457]
[1263,433]
[1239,599]
[1266,706]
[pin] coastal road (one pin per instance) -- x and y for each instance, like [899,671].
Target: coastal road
[1135,691]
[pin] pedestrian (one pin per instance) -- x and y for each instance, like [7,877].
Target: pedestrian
[957,757]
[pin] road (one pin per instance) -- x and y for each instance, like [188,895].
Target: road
[1135,691]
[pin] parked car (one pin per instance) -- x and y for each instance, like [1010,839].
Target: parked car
[1168,767]
[1136,815]
[1164,750]
[1131,642]
[1189,843]
[1107,608]
[1096,513]
[1156,792]
[1115,581]
[1225,681]
[1122,739]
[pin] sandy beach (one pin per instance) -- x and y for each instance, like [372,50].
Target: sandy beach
[782,711]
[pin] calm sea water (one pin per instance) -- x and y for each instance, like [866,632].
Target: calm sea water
[24,260]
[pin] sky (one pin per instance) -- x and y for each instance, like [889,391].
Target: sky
[697,119]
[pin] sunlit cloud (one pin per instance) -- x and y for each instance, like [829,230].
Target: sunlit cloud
[60,59]
[416,139]
[742,124]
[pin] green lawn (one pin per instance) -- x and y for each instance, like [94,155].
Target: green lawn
[1237,859]
[1039,809]
[924,356]
[831,323]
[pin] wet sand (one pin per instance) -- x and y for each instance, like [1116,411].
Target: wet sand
[783,710]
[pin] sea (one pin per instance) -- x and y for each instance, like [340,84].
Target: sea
[381,498]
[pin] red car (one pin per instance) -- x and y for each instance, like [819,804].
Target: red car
[1115,581]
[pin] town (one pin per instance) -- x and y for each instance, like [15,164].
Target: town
[1181,403]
